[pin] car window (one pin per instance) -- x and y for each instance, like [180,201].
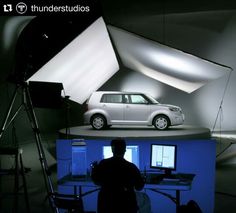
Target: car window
[126,98]
[138,99]
[111,98]
[151,99]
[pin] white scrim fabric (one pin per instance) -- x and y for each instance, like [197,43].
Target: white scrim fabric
[165,64]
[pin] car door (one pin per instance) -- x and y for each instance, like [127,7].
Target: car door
[112,105]
[136,110]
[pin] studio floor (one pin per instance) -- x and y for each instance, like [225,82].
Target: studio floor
[225,184]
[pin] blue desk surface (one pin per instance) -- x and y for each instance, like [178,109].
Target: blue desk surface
[182,182]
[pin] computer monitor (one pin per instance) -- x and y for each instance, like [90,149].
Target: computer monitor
[131,154]
[163,157]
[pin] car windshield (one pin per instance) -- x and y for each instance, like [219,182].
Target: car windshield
[152,100]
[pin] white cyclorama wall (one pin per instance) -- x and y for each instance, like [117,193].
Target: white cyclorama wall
[83,65]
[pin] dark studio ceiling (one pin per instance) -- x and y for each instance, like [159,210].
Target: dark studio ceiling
[129,8]
[145,16]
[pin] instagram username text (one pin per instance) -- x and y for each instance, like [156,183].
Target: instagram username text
[59,9]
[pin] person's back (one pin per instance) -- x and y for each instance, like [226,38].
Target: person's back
[118,179]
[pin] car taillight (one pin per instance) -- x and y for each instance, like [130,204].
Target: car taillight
[84,107]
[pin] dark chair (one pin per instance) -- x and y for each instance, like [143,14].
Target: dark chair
[71,203]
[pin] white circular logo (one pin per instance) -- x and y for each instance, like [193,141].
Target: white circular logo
[21,8]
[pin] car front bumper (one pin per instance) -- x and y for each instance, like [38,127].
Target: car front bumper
[177,119]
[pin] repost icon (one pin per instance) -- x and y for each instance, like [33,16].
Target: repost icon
[7,8]
[21,8]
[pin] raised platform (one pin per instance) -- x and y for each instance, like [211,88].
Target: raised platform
[177,132]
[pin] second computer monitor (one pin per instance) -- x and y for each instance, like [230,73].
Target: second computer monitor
[163,157]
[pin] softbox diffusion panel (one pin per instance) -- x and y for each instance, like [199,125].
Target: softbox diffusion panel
[163,63]
[45,94]
[84,65]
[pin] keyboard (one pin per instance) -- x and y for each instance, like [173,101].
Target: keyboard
[171,179]
[154,178]
[157,178]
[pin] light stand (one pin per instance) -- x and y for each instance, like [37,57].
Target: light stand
[219,114]
[28,106]
[67,116]
[222,100]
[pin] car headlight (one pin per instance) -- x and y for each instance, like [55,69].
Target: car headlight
[174,109]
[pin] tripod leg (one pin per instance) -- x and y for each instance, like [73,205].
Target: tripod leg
[34,124]
[24,184]
[16,185]
[8,112]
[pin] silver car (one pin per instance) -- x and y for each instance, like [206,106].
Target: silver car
[106,108]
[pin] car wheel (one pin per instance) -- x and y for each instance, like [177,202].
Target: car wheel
[161,122]
[98,122]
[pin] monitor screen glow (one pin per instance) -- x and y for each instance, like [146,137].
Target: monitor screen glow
[131,154]
[163,156]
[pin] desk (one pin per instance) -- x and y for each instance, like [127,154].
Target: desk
[183,183]
[194,156]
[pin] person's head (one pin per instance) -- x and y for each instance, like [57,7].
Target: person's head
[118,147]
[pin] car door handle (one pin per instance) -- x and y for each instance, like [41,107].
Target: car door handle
[104,105]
